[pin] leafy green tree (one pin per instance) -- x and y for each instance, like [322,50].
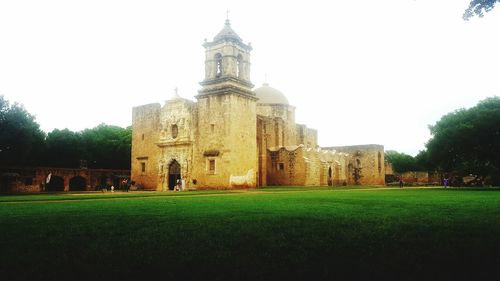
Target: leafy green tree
[423,162]
[108,146]
[64,148]
[479,7]
[21,140]
[467,141]
[401,162]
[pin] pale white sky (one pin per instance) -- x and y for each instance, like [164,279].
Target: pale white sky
[360,72]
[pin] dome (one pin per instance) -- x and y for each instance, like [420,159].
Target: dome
[270,95]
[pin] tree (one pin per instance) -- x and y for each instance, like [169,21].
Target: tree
[467,141]
[21,140]
[479,7]
[108,146]
[401,162]
[64,148]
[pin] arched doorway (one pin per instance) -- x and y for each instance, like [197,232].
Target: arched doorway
[55,184]
[174,174]
[77,183]
[330,179]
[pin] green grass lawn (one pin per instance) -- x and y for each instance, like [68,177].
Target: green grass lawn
[263,234]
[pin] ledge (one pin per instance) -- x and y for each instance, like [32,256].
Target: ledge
[173,143]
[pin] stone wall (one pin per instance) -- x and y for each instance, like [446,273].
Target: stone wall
[228,136]
[20,180]
[286,166]
[368,160]
[145,152]
[306,136]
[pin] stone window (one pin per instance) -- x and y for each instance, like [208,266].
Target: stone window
[175,131]
[280,166]
[211,166]
[218,65]
[142,136]
[143,167]
[212,128]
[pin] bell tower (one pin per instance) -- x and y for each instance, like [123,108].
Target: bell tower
[227,63]
[227,117]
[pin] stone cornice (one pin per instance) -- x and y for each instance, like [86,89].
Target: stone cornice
[173,143]
[225,90]
[226,79]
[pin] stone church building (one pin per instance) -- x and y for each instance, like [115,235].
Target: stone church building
[236,137]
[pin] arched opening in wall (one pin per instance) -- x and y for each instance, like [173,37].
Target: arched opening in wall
[357,172]
[330,180]
[77,183]
[379,163]
[218,65]
[238,65]
[174,174]
[56,183]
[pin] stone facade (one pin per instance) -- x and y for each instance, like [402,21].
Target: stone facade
[236,137]
[366,164]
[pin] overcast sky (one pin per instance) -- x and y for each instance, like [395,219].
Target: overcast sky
[360,72]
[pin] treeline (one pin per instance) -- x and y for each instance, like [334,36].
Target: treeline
[464,142]
[23,143]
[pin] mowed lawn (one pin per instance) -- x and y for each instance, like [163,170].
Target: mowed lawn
[263,234]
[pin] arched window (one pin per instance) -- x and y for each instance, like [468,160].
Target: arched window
[218,65]
[175,131]
[238,66]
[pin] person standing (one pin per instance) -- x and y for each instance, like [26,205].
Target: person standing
[445,182]
[400,182]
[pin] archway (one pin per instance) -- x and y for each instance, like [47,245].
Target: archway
[77,183]
[330,179]
[56,184]
[174,174]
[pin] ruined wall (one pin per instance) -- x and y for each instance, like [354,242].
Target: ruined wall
[334,167]
[306,136]
[279,122]
[33,179]
[415,177]
[286,166]
[313,169]
[370,161]
[145,152]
